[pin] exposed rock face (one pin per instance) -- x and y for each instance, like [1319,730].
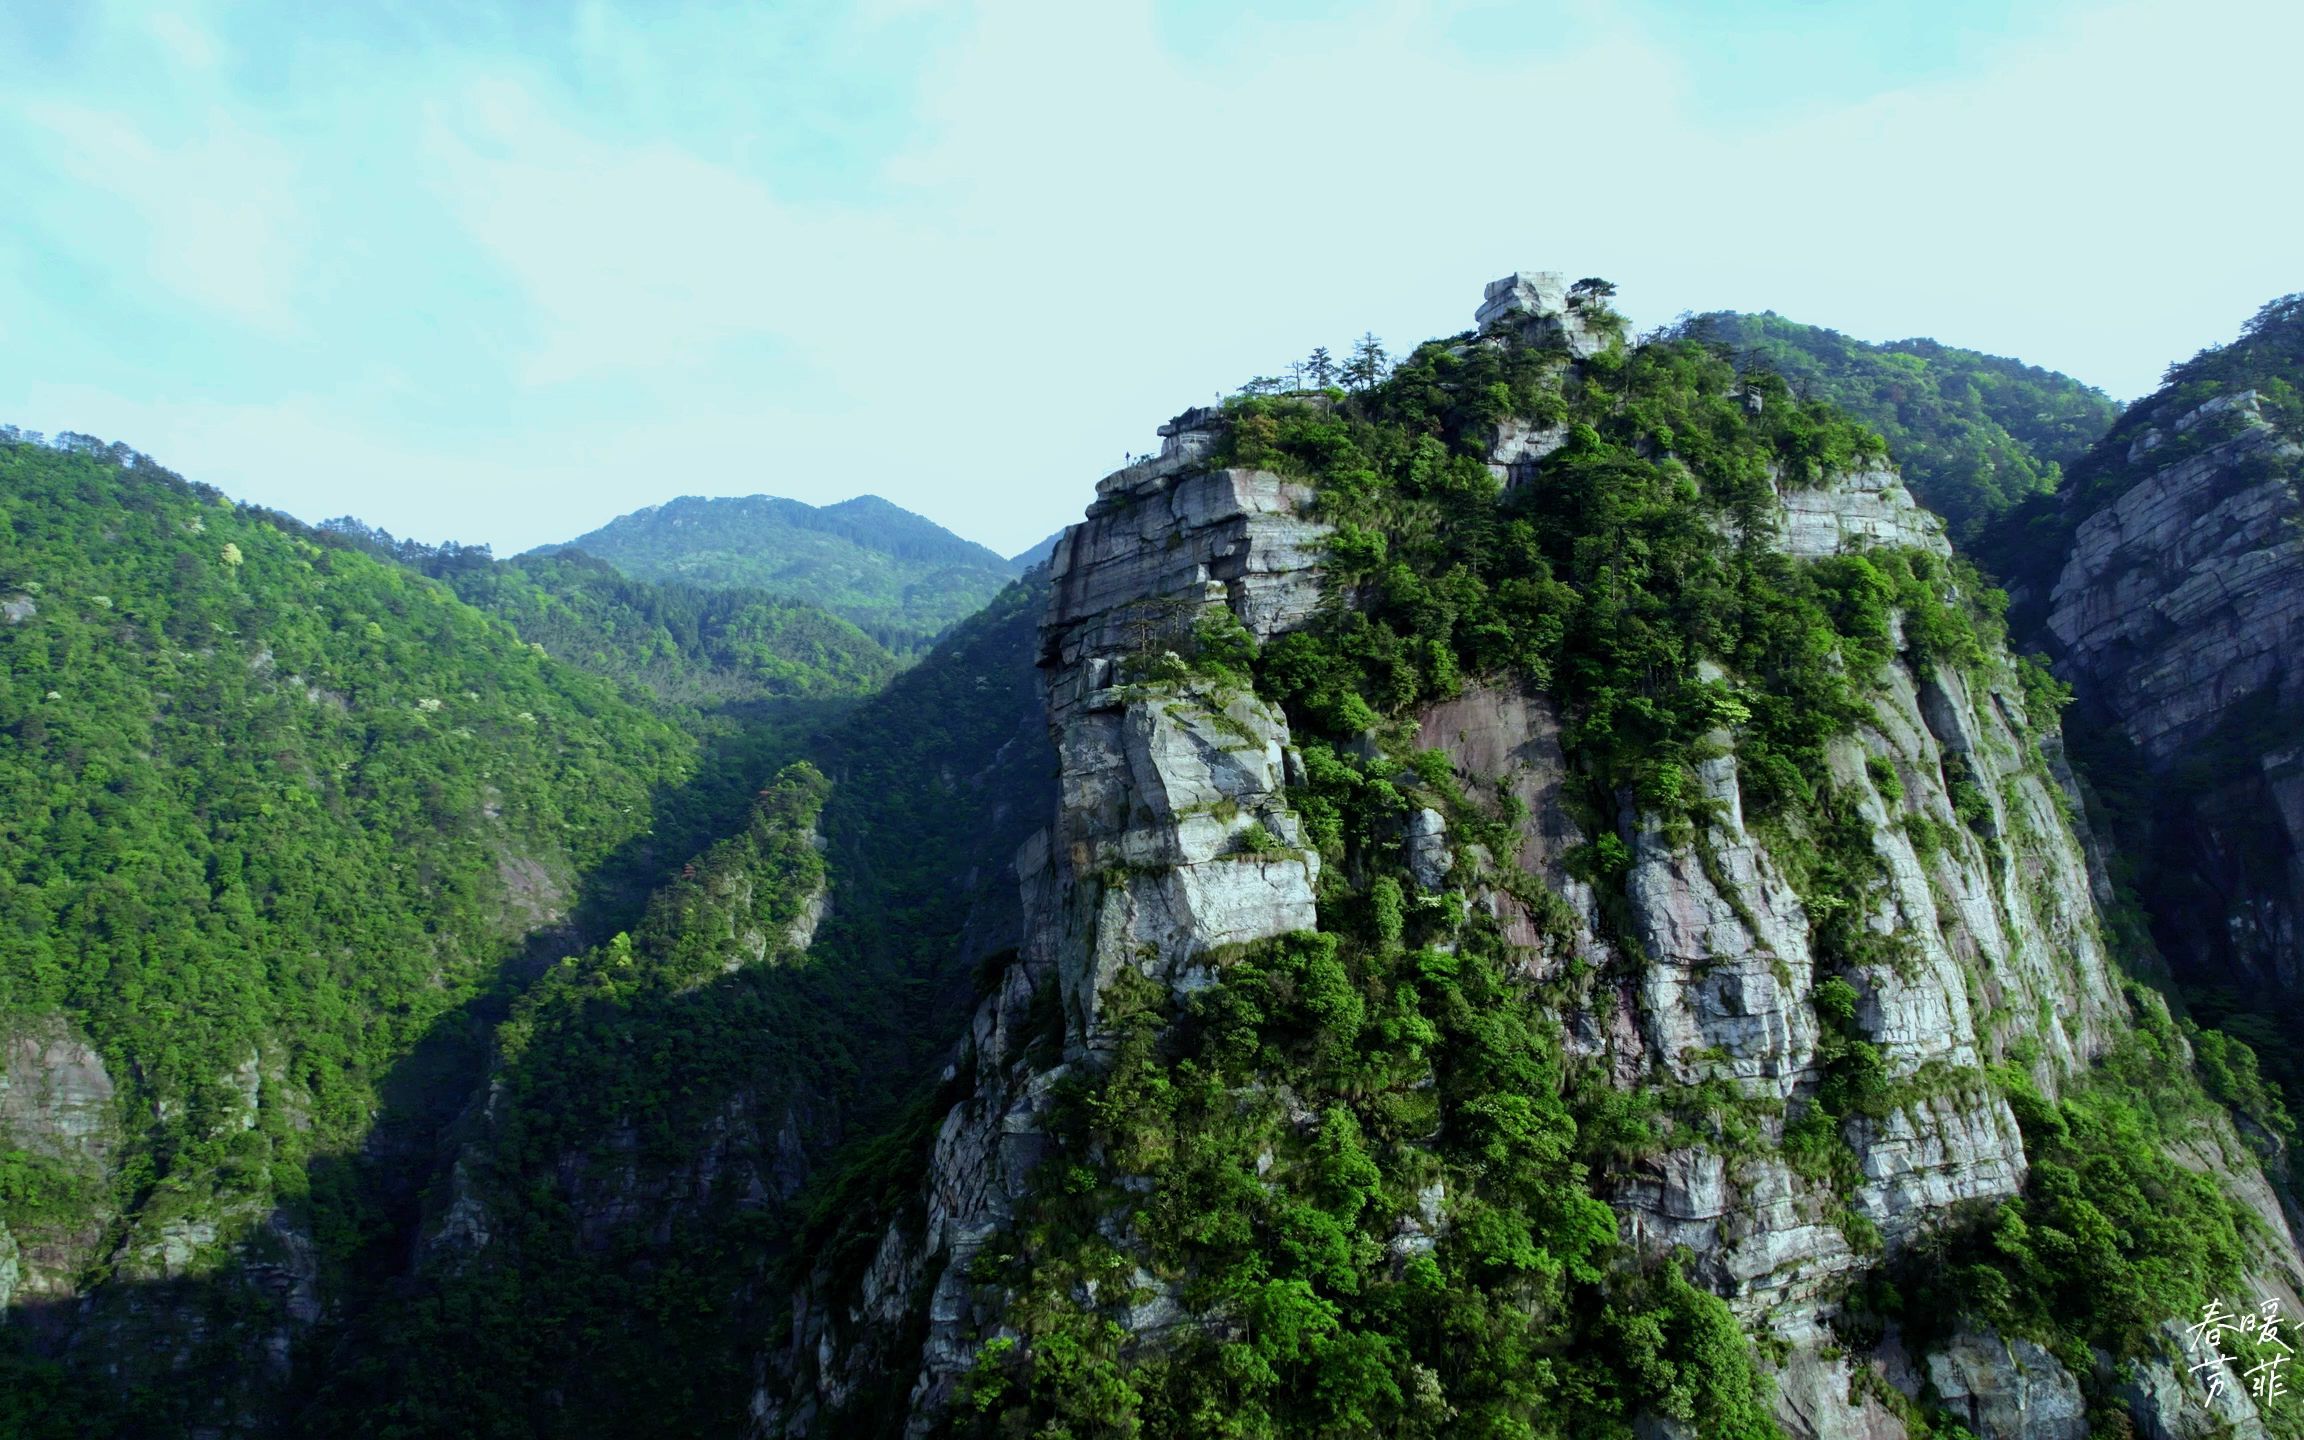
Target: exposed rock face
[1540,307]
[1170,840]
[2185,594]
[1991,944]
[1170,837]
[1866,507]
[57,1105]
[1164,775]
[2008,1389]
[2179,617]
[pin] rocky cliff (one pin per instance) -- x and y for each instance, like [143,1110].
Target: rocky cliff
[2176,610]
[1470,945]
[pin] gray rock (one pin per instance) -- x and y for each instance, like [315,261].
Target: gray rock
[1429,858]
[2180,601]
[1171,841]
[56,1102]
[1865,508]
[2169,1402]
[11,1271]
[2008,1389]
[1537,308]
[1520,447]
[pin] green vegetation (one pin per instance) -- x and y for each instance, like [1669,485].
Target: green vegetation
[704,1037]
[899,577]
[1974,434]
[1362,1154]
[755,680]
[2112,1238]
[1336,1092]
[308,803]
[696,648]
[275,814]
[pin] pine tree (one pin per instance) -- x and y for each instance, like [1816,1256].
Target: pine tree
[1368,365]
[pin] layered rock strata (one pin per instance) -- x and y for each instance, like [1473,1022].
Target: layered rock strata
[2179,618]
[1170,842]
[1995,949]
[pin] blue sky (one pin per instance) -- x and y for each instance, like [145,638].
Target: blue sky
[499,272]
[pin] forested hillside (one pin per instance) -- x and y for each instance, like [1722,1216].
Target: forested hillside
[901,578]
[284,823]
[687,645]
[1974,434]
[1529,898]
[664,1106]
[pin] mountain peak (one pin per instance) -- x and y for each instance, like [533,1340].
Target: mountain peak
[900,576]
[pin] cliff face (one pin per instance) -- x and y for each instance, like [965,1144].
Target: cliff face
[1146,868]
[56,1106]
[1728,978]
[2178,615]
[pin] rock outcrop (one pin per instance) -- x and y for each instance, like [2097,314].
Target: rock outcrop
[2178,616]
[57,1107]
[1993,934]
[1540,308]
[1172,843]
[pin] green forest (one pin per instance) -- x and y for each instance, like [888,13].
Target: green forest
[287,823]
[522,980]
[1975,435]
[900,577]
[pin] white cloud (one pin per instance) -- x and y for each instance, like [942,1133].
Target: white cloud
[724,277]
[187,198]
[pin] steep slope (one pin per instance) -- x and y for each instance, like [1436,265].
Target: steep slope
[751,677]
[1038,555]
[1973,434]
[898,576]
[274,818]
[1560,918]
[2168,581]
[686,645]
[659,1104]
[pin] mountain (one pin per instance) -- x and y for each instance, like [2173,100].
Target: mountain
[1973,434]
[1038,555]
[664,1109]
[1561,916]
[902,578]
[1533,897]
[2167,580]
[685,645]
[282,822]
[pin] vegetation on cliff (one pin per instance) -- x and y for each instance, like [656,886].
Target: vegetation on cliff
[1974,434]
[1362,1157]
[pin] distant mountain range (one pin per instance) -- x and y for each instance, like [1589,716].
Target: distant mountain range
[900,577]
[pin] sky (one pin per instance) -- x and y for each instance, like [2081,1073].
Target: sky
[498,272]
